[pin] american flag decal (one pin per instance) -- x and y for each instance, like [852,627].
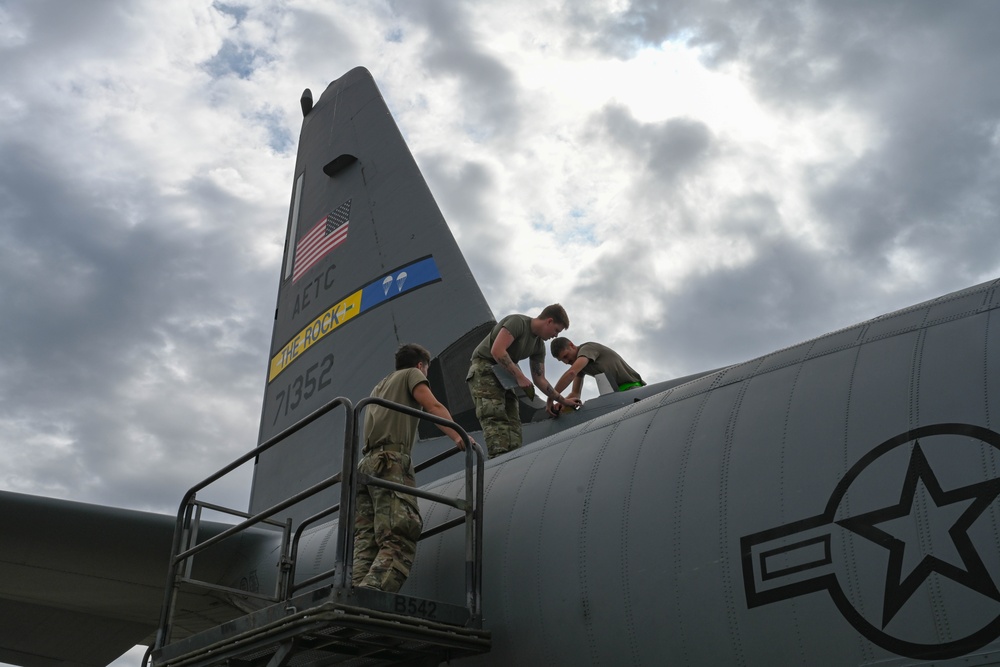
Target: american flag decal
[328,233]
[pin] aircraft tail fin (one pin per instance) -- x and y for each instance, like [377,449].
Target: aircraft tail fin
[369,264]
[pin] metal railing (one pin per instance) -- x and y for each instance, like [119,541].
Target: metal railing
[188,518]
[471,506]
[186,546]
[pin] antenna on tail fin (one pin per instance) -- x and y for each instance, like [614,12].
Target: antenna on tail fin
[369,263]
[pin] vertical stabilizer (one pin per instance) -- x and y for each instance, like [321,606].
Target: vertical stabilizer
[369,263]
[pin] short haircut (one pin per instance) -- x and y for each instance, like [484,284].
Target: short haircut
[410,354]
[557,313]
[558,345]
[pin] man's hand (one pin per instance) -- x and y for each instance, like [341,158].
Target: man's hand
[572,403]
[461,443]
[553,408]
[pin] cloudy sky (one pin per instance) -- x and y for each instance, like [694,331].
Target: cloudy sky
[699,183]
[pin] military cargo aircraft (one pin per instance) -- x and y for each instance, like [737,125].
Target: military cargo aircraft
[830,503]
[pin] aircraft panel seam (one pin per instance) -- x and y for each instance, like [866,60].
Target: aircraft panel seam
[994,292]
[954,296]
[986,369]
[991,287]
[732,616]
[629,614]
[506,586]
[722,380]
[989,466]
[926,323]
[853,575]
[681,478]
[987,289]
[588,611]
[552,659]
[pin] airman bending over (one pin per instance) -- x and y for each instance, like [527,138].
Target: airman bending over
[591,359]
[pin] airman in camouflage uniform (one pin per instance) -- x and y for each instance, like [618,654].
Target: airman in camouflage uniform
[512,339]
[387,523]
[497,410]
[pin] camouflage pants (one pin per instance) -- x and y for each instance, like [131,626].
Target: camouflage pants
[386,525]
[497,409]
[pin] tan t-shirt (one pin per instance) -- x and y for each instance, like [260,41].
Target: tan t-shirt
[605,360]
[384,426]
[524,345]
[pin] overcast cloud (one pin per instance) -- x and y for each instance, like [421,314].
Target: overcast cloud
[698,183]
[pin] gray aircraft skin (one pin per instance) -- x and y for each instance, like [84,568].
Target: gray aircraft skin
[831,503]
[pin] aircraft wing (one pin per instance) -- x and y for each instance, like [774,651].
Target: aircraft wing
[81,584]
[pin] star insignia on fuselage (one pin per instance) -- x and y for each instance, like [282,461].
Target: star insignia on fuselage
[958,507]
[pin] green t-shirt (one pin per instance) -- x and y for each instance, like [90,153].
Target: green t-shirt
[524,345]
[384,426]
[605,360]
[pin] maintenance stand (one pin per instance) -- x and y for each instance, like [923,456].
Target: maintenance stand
[324,620]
